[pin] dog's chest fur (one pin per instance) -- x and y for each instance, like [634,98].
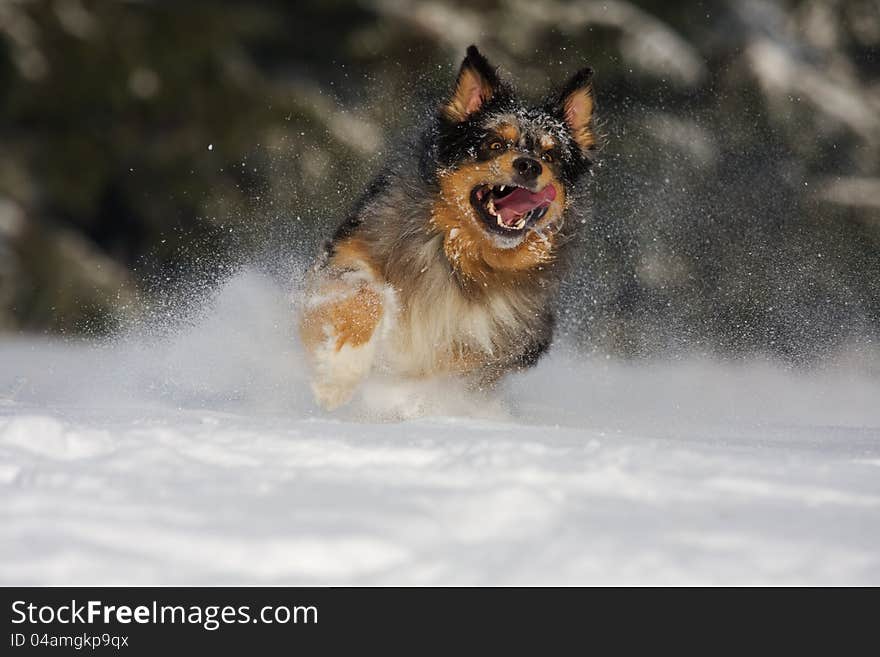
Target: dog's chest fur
[437,326]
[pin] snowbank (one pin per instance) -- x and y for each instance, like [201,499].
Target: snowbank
[197,457]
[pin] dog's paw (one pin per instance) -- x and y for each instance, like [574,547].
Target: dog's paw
[340,330]
[330,395]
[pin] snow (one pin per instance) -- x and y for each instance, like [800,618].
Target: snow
[195,455]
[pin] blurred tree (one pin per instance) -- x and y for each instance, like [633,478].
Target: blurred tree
[738,195]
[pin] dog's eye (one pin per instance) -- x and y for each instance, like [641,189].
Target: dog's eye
[547,157]
[496,146]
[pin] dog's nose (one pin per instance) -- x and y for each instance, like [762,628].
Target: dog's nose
[528,168]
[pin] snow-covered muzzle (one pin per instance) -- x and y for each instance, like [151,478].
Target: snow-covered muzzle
[511,209]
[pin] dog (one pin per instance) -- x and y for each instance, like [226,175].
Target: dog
[451,262]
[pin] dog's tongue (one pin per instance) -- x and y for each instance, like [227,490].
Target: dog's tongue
[520,201]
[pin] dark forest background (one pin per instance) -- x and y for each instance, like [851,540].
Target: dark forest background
[147,146]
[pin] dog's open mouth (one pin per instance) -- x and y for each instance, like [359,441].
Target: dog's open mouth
[510,209]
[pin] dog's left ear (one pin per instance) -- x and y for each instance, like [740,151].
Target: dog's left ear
[476,85]
[575,106]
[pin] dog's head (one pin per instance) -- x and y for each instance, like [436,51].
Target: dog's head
[506,170]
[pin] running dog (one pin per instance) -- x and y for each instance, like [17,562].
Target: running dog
[451,262]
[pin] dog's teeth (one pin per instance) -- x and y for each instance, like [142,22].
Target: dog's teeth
[501,189]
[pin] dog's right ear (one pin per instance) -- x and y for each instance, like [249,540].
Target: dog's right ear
[476,85]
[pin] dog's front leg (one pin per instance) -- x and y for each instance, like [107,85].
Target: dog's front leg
[341,330]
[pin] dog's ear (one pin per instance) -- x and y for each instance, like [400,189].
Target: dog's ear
[476,85]
[574,105]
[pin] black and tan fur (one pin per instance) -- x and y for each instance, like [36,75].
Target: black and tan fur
[422,279]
